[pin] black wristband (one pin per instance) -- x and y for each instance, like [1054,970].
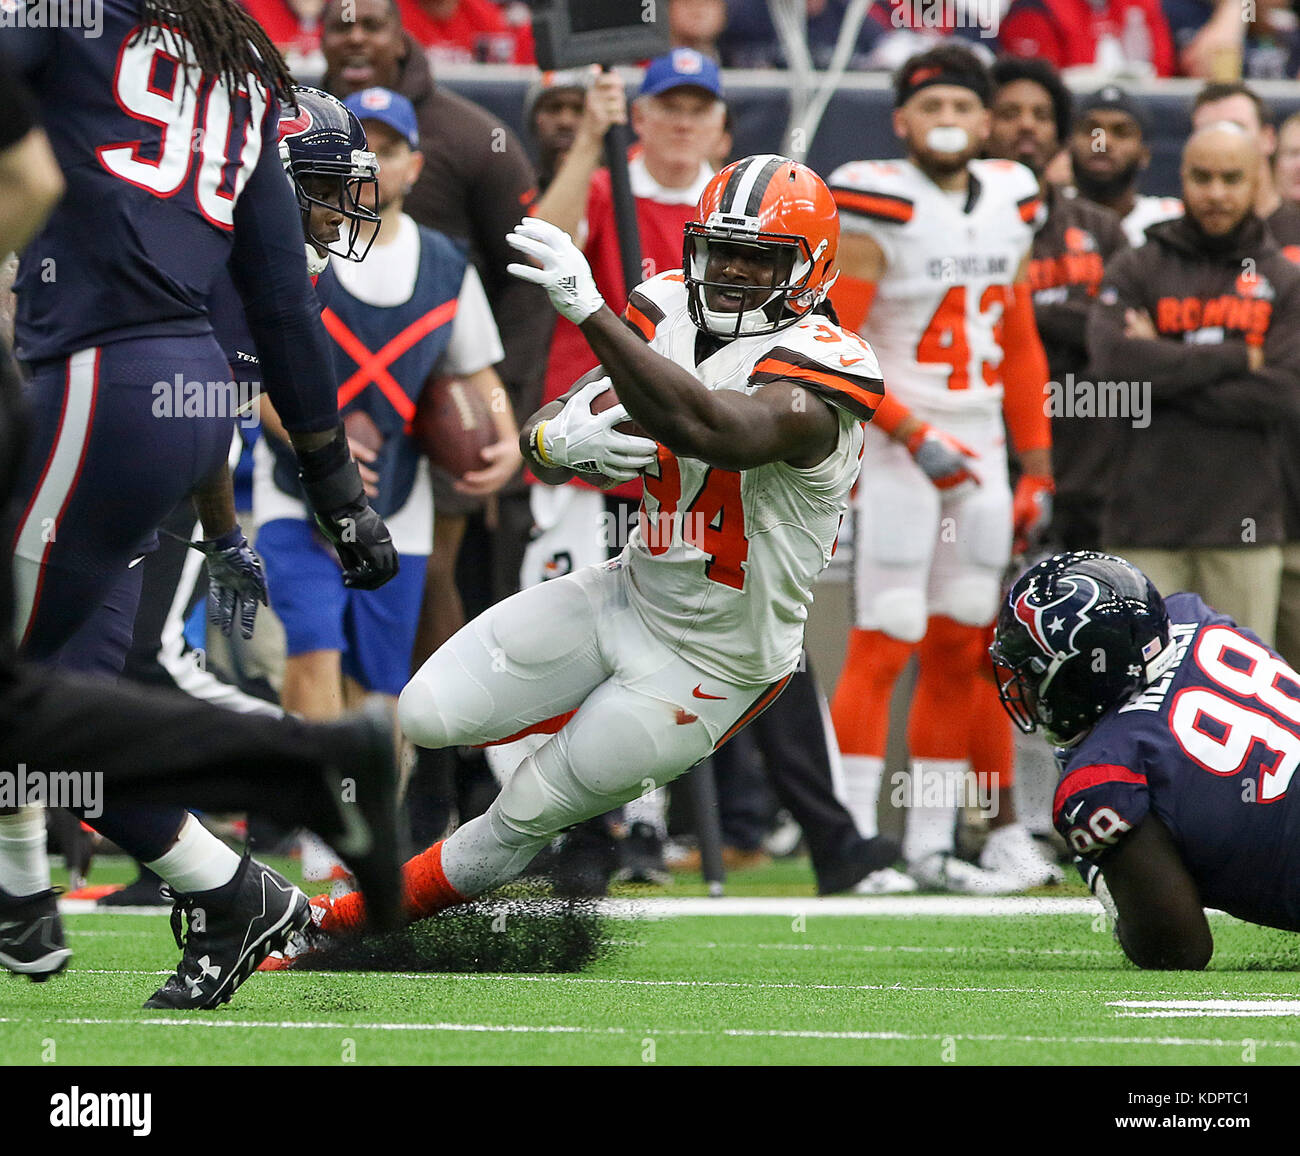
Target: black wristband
[329,476]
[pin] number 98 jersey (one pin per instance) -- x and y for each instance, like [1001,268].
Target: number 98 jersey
[155,155]
[722,562]
[1210,748]
[951,259]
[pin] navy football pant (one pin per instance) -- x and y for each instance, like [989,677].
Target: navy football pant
[110,456]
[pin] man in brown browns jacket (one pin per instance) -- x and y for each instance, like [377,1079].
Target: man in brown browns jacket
[1199,331]
[1031,121]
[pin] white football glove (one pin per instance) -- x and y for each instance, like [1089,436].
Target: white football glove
[578,439]
[564,272]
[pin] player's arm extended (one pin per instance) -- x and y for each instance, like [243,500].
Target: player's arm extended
[726,428]
[1161,922]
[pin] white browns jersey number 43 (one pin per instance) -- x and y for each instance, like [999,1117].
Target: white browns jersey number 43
[722,562]
[951,260]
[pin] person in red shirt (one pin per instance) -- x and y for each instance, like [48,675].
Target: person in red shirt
[460,31]
[1119,36]
[678,117]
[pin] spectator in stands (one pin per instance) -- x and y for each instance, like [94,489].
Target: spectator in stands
[697,24]
[751,40]
[1108,154]
[1286,167]
[294,28]
[1118,37]
[1226,39]
[1206,317]
[1031,121]
[553,110]
[465,31]
[1237,103]
[678,118]
[475,185]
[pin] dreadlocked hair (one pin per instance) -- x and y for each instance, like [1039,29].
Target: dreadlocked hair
[227,42]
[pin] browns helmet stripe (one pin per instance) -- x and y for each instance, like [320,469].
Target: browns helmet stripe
[744,192]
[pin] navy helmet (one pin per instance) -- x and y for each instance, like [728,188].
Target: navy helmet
[1077,635]
[323,149]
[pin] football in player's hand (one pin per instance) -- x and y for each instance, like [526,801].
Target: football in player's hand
[607,400]
[453,425]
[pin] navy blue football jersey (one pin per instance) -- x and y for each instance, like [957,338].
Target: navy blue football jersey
[1210,748]
[171,178]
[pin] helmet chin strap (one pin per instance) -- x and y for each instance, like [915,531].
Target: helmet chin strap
[315,262]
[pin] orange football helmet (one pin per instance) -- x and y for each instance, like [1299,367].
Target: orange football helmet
[765,202]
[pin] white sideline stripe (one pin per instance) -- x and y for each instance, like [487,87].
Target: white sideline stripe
[1181,1008]
[503,977]
[891,905]
[579,1029]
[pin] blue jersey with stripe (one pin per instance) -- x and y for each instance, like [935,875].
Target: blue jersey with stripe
[1211,749]
[384,355]
[171,177]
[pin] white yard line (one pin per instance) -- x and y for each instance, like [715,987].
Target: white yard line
[1203,1008]
[890,905]
[578,1029]
[498,977]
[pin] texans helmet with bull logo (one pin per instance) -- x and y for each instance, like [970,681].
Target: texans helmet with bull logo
[1078,634]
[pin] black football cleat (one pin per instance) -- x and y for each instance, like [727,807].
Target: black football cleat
[641,853]
[361,788]
[231,930]
[860,859]
[31,935]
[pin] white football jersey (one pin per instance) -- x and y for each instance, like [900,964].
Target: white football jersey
[951,259]
[722,562]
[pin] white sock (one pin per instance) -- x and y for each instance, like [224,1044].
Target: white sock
[198,861]
[24,863]
[649,808]
[933,788]
[862,775]
[318,858]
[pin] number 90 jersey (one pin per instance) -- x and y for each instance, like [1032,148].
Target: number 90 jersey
[951,259]
[156,156]
[1210,748]
[722,562]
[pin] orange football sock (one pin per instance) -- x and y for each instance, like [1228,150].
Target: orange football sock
[860,708]
[940,722]
[425,892]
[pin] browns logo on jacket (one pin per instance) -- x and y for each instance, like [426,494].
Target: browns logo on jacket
[1206,471]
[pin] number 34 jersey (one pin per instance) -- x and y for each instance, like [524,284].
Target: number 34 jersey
[951,259]
[1210,748]
[722,562]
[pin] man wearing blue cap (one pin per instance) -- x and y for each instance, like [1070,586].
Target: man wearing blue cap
[340,643]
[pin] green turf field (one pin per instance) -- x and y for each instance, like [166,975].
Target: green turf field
[797,988]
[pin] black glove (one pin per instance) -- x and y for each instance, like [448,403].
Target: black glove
[235,579]
[333,489]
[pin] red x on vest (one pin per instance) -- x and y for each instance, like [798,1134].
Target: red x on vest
[374,366]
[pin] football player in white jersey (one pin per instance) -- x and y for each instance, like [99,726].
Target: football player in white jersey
[933,259]
[755,403]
